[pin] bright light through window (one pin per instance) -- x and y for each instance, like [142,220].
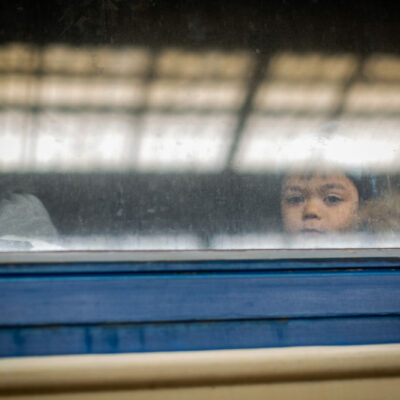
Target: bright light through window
[204,64]
[312,66]
[272,143]
[187,143]
[298,97]
[196,95]
[84,142]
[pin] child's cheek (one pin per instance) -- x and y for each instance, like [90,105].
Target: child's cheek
[343,218]
[292,218]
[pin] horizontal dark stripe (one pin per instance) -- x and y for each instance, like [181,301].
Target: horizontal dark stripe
[183,336]
[228,265]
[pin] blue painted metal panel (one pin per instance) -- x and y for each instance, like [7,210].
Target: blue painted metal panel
[31,341]
[135,297]
[128,307]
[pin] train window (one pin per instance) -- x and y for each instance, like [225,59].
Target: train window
[156,127]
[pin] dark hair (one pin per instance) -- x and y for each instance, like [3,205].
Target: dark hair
[368,186]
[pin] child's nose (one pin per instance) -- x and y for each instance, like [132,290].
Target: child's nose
[312,209]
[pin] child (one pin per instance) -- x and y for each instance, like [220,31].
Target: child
[319,203]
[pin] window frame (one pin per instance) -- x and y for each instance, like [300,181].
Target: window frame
[117,302]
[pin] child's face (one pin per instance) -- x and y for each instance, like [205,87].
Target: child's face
[318,203]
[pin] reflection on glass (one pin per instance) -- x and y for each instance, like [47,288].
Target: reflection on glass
[138,148]
[312,67]
[187,143]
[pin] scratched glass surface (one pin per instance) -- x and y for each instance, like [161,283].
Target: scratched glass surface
[142,126]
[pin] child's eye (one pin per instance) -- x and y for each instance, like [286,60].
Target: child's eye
[332,199]
[294,199]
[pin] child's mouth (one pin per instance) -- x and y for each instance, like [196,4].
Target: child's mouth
[312,231]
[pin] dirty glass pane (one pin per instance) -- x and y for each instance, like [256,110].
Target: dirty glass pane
[199,125]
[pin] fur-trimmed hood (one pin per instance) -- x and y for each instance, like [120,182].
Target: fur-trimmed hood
[381,214]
